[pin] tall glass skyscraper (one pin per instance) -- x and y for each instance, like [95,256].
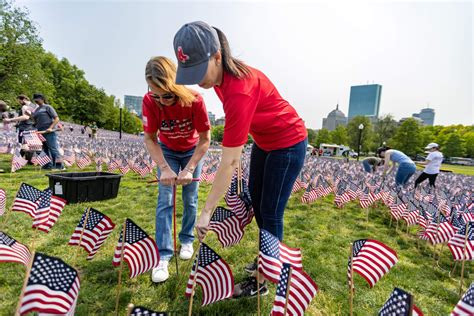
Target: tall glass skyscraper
[133,103]
[365,100]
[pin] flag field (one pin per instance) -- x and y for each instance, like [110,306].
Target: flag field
[322,231]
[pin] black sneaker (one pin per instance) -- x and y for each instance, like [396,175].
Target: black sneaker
[248,288]
[251,267]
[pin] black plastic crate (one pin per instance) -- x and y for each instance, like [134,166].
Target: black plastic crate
[78,187]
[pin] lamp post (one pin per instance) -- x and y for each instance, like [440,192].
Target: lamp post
[120,126]
[361,127]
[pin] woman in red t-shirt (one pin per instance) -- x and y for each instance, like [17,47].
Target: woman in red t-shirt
[252,105]
[178,117]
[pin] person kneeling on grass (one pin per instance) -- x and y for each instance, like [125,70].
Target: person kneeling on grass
[178,116]
[370,164]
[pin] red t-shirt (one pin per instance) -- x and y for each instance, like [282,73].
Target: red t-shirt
[178,125]
[253,105]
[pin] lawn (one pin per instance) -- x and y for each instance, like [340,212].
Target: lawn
[322,231]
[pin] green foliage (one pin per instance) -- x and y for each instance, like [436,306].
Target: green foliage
[312,134]
[407,138]
[384,130]
[217,133]
[25,68]
[323,136]
[353,133]
[454,146]
[339,135]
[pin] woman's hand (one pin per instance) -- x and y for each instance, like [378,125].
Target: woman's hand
[168,176]
[184,177]
[202,225]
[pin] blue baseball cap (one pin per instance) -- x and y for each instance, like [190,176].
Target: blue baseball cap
[194,44]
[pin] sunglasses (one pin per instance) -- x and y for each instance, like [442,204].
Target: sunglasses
[166,96]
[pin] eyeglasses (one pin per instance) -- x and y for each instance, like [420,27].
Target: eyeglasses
[167,96]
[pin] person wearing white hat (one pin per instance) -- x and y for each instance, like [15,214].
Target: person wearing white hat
[432,164]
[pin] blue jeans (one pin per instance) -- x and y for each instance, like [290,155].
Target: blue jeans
[164,210]
[404,172]
[367,166]
[50,147]
[271,178]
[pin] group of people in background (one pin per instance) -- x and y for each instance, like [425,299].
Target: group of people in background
[41,117]
[406,166]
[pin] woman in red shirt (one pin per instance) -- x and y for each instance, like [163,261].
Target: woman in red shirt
[252,105]
[178,117]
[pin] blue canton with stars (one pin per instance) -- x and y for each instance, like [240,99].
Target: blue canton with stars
[269,244]
[6,240]
[221,214]
[94,218]
[27,192]
[51,272]
[142,311]
[207,256]
[283,283]
[133,233]
[398,304]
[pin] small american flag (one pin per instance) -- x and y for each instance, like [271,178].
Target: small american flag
[302,290]
[342,196]
[439,232]
[3,201]
[33,140]
[456,243]
[371,259]
[213,275]
[310,195]
[26,199]
[83,161]
[113,165]
[241,204]
[142,311]
[466,305]
[52,288]
[13,251]
[298,185]
[140,250]
[48,211]
[42,159]
[273,254]
[227,227]
[399,304]
[95,232]
[18,161]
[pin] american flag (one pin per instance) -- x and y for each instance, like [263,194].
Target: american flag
[227,227]
[83,161]
[3,201]
[399,304]
[124,168]
[18,161]
[113,165]
[342,196]
[310,195]
[69,157]
[140,250]
[13,251]
[456,243]
[33,140]
[52,288]
[142,311]
[241,204]
[302,290]
[439,232]
[398,209]
[298,185]
[42,159]
[273,254]
[466,305]
[26,199]
[366,198]
[371,259]
[95,232]
[213,274]
[98,164]
[48,211]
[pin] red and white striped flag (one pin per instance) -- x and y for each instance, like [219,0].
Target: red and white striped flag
[42,159]
[27,199]
[94,232]
[3,201]
[465,306]
[273,254]
[371,259]
[52,287]
[83,161]
[213,274]
[18,161]
[457,242]
[302,290]
[13,251]
[140,250]
[227,227]
[48,211]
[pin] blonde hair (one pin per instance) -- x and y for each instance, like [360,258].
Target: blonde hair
[161,72]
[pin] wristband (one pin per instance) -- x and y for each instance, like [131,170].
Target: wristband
[191,171]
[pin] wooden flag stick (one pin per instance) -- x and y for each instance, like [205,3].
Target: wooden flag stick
[368,214]
[434,246]
[25,282]
[124,230]
[288,287]
[351,291]
[239,180]
[410,308]
[463,260]
[390,225]
[454,269]
[130,309]
[190,310]
[82,232]
[33,240]
[258,275]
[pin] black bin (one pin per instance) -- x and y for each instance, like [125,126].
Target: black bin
[77,187]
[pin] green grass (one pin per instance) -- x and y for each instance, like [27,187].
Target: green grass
[322,231]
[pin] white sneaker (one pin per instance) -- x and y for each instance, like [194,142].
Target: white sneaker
[186,251]
[160,274]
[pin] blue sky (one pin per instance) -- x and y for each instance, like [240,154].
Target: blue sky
[420,52]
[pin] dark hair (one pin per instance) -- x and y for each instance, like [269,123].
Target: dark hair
[382,149]
[232,65]
[23,97]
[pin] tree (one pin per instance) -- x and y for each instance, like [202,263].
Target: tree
[407,138]
[469,142]
[384,129]
[217,133]
[323,136]
[312,134]
[454,146]
[339,135]
[353,133]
